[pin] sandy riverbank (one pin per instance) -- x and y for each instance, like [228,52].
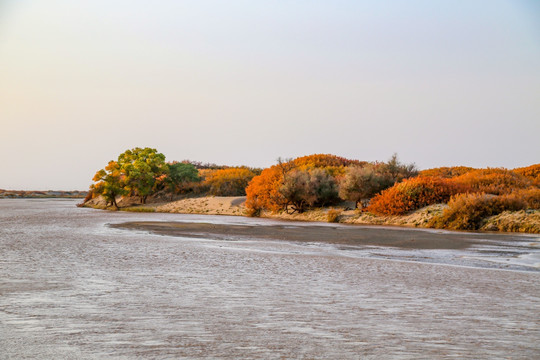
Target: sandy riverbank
[218,205]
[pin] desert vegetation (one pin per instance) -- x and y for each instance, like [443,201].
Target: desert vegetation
[471,199]
[143,172]
[322,180]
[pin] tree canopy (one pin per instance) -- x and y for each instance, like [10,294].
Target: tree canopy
[109,183]
[142,167]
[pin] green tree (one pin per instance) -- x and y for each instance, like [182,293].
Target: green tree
[142,167]
[179,175]
[109,183]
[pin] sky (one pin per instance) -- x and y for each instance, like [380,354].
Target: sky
[440,83]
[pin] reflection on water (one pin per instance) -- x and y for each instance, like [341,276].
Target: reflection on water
[71,287]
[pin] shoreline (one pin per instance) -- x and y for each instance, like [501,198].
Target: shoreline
[38,194]
[235,206]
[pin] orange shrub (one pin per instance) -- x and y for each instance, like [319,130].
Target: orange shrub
[334,165]
[263,191]
[446,172]
[466,211]
[495,181]
[532,172]
[413,194]
[530,196]
[270,191]
[228,182]
[324,160]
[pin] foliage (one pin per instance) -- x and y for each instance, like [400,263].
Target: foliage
[324,161]
[447,172]
[142,167]
[466,211]
[532,172]
[252,210]
[294,189]
[398,171]
[493,181]
[530,196]
[322,188]
[312,181]
[305,188]
[295,183]
[263,191]
[229,182]
[89,195]
[332,216]
[516,221]
[109,183]
[413,194]
[206,166]
[361,183]
[181,177]
[334,165]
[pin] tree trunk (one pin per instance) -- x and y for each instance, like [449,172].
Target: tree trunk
[113,202]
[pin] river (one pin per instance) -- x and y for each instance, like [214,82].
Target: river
[71,287]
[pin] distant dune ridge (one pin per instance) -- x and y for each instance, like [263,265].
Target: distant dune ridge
[14,194]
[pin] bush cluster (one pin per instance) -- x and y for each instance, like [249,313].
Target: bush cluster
[493,181]
[446,172]
[321,180]
[413,194]
[467,211]
[228,182]
[532,172]
[390,188]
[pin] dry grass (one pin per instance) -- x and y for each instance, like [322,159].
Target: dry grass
[514,221]
[333,215]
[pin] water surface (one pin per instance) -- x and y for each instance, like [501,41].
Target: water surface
[73,287]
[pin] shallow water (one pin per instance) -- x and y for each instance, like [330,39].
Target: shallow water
[71,287]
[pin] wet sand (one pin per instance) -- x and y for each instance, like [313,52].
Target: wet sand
[342,234]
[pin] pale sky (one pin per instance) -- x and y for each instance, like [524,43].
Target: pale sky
[441,83]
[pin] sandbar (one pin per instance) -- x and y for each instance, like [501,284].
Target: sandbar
[339,234]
